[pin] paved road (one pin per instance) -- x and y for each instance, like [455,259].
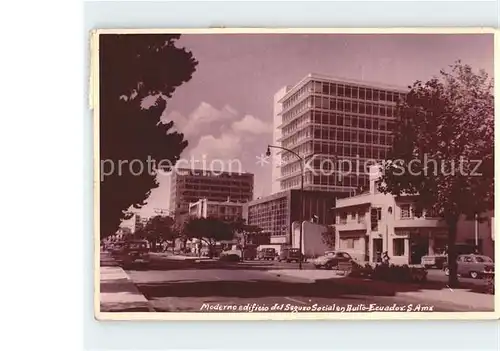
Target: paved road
[182,286]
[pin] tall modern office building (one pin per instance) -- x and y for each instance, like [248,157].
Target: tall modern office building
[190,185]
[276,156]
[336,126]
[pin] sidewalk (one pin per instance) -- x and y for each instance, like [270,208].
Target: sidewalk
[307,275]
[429,293]
[170,256]
[459,297]
[117,292]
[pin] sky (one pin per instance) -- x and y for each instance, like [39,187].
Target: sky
[226,109]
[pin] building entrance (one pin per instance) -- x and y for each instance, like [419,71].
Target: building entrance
[419,247]
[377,250]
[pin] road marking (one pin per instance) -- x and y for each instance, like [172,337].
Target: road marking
[295,300]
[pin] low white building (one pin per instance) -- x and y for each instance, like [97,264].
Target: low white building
[227,210]
[371,223]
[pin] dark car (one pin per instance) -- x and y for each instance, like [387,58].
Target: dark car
[267,254]
[331,259]
[474,266]
[290,255]
[134,252]
[117,247]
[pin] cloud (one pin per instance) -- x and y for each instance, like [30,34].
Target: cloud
[250,124]
[221,135]
[226,145]
[202,117]
[216,153]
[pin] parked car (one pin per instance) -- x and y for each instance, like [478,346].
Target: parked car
[474,266]
[228,256]
[290,255]
[331,259]
[134,252]
[249,252]
[117,247]
[267,254]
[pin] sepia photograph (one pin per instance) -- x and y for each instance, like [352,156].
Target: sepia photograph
[293,174]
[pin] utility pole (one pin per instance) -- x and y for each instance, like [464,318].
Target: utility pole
[476,232]
[302,198]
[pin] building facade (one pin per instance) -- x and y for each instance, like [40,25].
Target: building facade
[140,222]
[190,185]
[336,126]
[275,214]
[275,154]
[228,211]
[371,223]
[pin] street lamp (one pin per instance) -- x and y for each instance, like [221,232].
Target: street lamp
[301,218]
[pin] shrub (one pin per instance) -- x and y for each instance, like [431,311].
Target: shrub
[394,273]
[490,284]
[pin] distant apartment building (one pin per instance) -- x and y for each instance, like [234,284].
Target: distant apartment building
[190,185]
[228,211]
[275,214]
[371,223]
[140,222]
[336,125]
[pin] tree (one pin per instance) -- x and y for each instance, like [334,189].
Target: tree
[209,230]
[244,231]
[161,228]
[443,149]
[138,73]
[328,237]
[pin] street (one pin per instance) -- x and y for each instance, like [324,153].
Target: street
[210,286]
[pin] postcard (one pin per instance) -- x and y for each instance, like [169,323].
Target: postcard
[282,174]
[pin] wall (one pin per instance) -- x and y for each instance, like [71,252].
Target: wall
[358,239]
[466,234]
[312,240]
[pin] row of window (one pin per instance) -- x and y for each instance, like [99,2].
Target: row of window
[297,124]
[345,90]
[345,217]
[347,181]
[330,166]
[298,109]
[339,134]
[347,106]
[240,188]
[348,150]
[202,182]
[352,136]
[346,120]
[371,109]
[202,175]
[352,122]
[409,211]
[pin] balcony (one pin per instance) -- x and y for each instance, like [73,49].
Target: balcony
[350,225]
[419,222]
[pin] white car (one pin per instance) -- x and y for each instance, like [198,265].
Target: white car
[331,259]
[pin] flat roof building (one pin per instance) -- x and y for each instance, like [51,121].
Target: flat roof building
[336,125]
[190,185]
[275,214]
[228,211]
[371,223]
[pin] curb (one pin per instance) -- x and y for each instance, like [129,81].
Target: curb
[129,281]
